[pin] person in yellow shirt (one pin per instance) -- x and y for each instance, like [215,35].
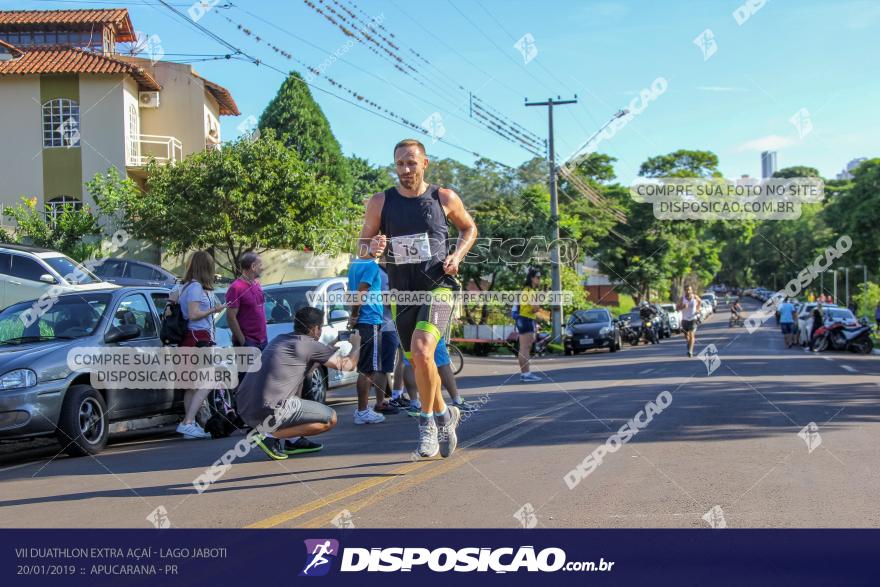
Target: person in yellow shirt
[526,325]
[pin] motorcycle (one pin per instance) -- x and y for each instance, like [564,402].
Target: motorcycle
[628,333]
[649,331]
[838,337]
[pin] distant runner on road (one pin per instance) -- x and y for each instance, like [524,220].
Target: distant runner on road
[689,305]
[412,218]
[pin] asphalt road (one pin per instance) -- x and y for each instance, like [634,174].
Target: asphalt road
[728,443]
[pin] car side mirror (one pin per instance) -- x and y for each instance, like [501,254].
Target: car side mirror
[122,333]
[339,315]
[46,278]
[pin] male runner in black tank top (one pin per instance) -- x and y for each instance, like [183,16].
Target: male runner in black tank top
[408,223]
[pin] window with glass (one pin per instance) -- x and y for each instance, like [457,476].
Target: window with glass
[134,309]
[56,206]
[61,123]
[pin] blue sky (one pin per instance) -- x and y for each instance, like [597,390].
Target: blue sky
[787,56]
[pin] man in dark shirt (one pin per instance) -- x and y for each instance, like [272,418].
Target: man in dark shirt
[818,321]
[270,399]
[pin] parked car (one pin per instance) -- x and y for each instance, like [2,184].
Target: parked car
[591,329]
[26,273]
[805,320]
[282,302]
[674,316]
[41,396]
[131,272]
[709,298]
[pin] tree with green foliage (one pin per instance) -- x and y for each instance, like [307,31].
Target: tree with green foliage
[72,230]
[299,122]
[251,195]
[855,212]
[367,179]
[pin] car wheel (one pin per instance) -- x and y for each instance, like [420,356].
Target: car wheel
[316,390]
[568,352]
[612,347]
[83,428]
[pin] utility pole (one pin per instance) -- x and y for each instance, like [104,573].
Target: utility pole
[554,211]
[846,284]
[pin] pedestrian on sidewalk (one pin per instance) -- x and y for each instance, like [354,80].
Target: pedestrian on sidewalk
[367,318]
[245,302]
[526,325]
[198,305]
[787,321]
[690,306]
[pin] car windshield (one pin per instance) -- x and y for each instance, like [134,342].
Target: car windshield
[70,316]
[632,316]
[589,317]
[281,304]
[71,270]
[839,315]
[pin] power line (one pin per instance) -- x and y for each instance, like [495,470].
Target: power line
[255,61]
[511,136]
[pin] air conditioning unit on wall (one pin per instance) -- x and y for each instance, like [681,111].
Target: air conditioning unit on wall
[148,99]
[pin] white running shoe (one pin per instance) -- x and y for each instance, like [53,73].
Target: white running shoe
[368,416]
[429,445]
[446,436]
[529,377]
[192,431]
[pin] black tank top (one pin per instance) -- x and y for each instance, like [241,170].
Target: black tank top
[404,216]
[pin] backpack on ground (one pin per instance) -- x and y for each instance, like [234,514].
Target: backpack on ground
[224,420]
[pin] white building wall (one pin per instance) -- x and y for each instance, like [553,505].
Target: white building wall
[21,160]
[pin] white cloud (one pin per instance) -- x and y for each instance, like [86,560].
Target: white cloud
[768,143]
[722,89]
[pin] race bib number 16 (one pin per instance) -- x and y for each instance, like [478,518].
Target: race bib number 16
[413,248]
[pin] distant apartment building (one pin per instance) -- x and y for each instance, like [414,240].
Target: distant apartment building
[747,180]
[768,164]
[72,106]
[847,172]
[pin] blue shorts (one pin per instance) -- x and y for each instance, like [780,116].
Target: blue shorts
[441,355]
[525,325]
[787,327]
[390,343]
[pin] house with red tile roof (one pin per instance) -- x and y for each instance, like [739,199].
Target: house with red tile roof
[72,105]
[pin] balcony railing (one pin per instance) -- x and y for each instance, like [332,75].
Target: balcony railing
[143,148]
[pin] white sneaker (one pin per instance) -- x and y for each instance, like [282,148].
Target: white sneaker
[368,416]
[192,431]
[529,377]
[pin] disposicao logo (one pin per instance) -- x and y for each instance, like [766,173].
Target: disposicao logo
[320,554]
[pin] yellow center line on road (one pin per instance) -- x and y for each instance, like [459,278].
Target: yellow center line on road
[363,486]
[445,466]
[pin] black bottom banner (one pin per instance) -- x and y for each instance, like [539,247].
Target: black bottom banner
[264,558]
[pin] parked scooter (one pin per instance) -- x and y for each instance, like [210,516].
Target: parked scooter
[838,337]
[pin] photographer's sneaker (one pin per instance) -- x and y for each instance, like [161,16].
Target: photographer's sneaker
[529,377]
[368,416]
[270,446]
[429,445]
[446,436]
